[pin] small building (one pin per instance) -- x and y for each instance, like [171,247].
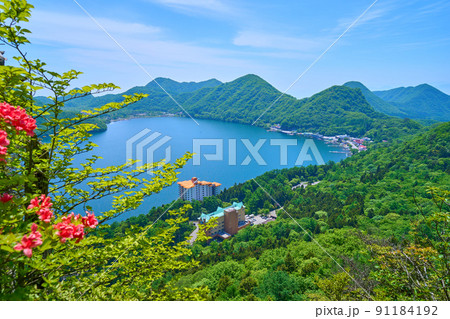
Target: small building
[195,189]
[229,220]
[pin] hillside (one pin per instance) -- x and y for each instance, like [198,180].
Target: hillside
[175,87]
[242,100]
[362,205]
[337,110]
[421,102]
[376,102]
[152,88]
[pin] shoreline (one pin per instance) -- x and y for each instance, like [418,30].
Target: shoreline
[344,141]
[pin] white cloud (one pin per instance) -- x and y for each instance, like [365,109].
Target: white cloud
[196,5]
[46,20]
[433,8]
[374,15]
[275,41]
[80,39]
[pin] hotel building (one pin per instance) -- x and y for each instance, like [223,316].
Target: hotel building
[195,189]
[229,220]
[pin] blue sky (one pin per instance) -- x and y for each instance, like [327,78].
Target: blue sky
[397,43]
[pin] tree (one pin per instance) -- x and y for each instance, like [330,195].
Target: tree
[418,270]
[62,258]
[336,287]
[289,263]
[280,286]
[247,285]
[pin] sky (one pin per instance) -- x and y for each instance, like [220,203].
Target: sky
[396,43]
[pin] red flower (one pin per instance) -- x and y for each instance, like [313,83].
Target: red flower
[5,198]
[45,215]
[65,231]
[43,203]
[34,228]
[3,138]
[70,227]
[89,220]
[33,203]
[30,241]
[78,233]
[3,151]
[68,219]
[18,117]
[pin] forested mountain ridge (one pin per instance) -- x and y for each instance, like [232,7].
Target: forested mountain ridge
[154,87]
[175,87]
[336,110]
[376,102]
[422,101]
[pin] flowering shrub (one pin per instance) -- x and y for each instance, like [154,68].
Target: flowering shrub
[73,227]
[15,118]
[6,198]
[4,142]
[89,220]
[67,264]
[30,241]
[44,207]
[18,118]
[70,227]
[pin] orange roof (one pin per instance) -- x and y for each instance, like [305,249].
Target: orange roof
[189,184]
[186,184]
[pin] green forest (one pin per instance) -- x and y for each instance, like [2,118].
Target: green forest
[375,202]
[374,227]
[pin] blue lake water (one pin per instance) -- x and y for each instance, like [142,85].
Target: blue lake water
[230,158]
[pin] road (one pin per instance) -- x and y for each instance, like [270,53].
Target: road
[194,234]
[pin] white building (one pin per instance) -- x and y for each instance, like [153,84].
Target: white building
[195,189]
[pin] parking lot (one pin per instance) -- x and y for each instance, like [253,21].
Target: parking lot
[257,220]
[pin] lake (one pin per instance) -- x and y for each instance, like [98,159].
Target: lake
[227,153]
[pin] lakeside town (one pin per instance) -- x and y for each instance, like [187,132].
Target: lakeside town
[348,143]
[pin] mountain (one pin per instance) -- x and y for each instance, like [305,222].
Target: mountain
[175,87]
[337,110]
[376,102]
[251,100]
[242,100]
[152,88]
[420,102]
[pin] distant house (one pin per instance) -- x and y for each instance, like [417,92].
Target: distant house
[195,189]
[229,220]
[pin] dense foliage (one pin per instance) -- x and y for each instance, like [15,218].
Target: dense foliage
[421,102]
[46,251]
[370,213]
[376,102]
